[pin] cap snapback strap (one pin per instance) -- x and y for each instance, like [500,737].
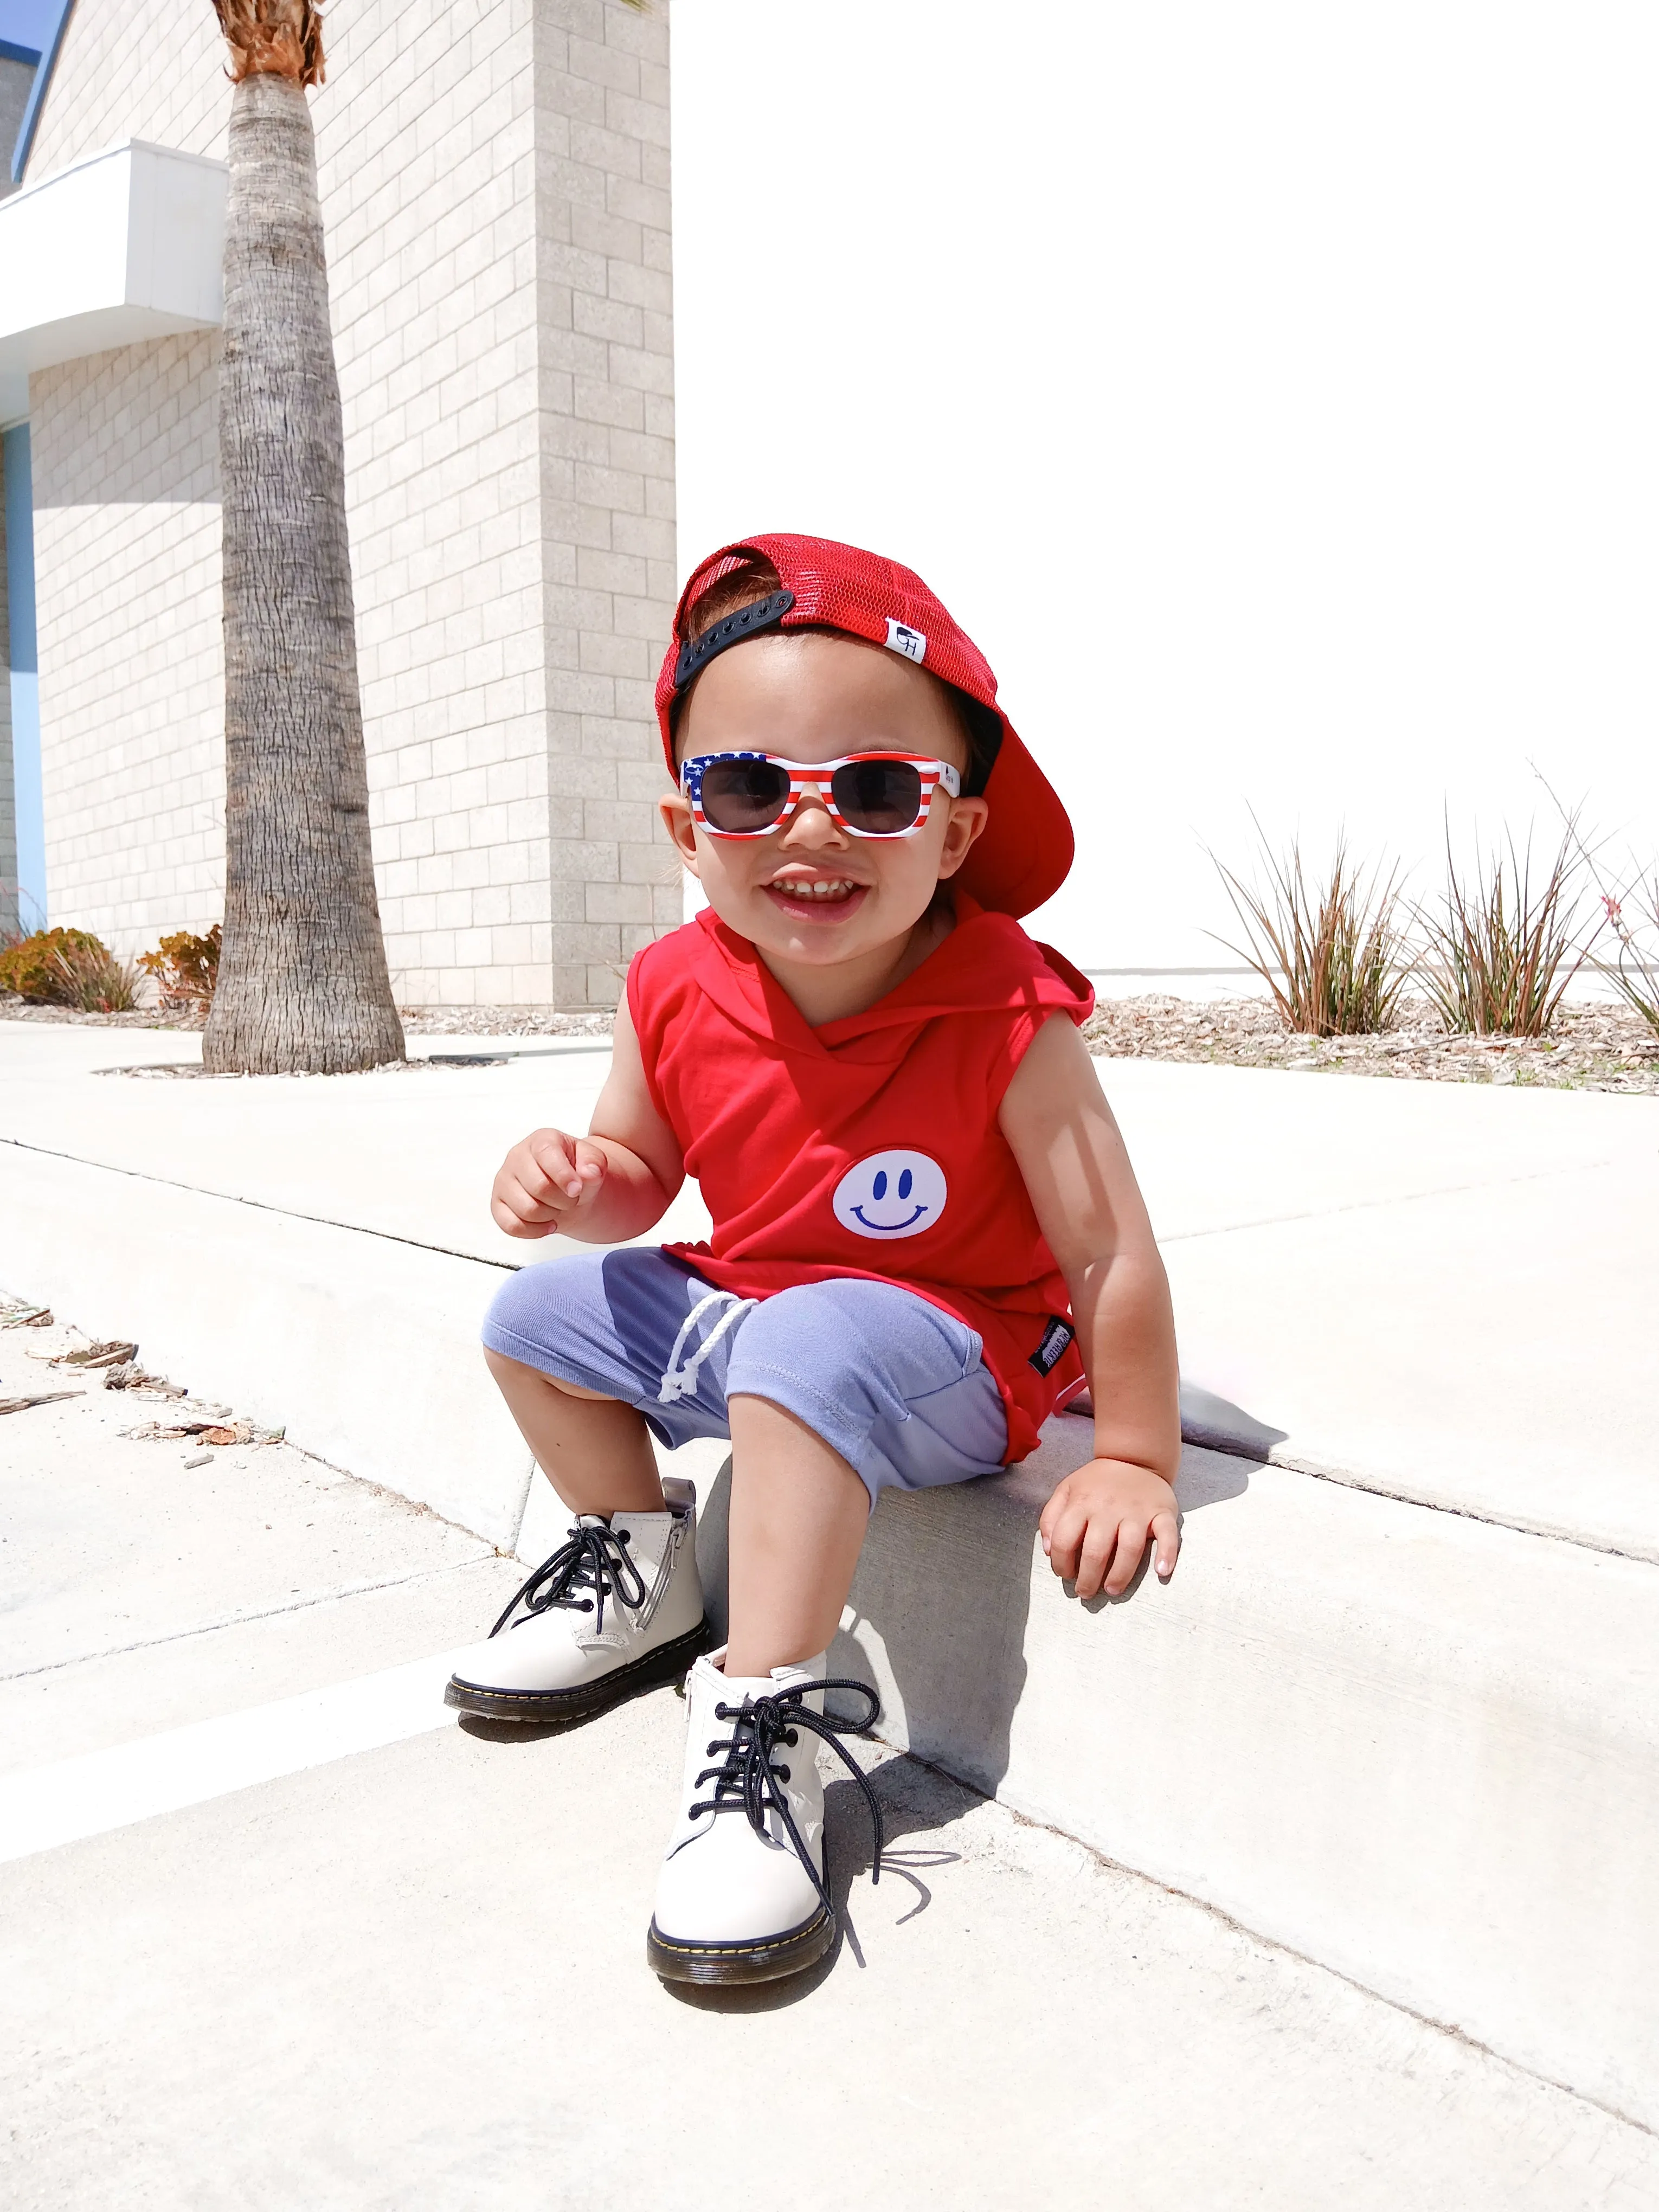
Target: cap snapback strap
[731,630]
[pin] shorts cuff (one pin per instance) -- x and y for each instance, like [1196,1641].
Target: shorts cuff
[528,1354]
[822,1415]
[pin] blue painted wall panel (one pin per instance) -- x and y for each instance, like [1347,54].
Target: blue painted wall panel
[25,679]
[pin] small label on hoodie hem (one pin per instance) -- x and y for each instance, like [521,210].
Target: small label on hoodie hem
[1056,1342]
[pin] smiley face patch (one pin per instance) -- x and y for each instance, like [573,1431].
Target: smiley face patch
[890,1195]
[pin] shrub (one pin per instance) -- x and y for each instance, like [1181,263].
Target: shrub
[184,969]
[1332,954]
[1498,958]
[30,964]
[68,967]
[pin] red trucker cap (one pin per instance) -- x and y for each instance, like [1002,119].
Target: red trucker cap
[1024,852]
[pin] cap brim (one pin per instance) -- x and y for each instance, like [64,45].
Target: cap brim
[1024,852]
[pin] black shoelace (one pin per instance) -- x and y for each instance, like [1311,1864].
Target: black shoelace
[748,1779]
[591,1559]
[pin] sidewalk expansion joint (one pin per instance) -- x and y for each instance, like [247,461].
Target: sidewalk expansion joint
[261,1612]
[1374,1486]
[1380,1205]
[261,1205]
[1377,1486]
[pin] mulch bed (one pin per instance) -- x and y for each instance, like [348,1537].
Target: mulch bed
[418,1020]
[1592,1047]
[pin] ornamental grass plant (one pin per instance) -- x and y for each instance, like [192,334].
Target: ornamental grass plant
[1332,952]
[92,979]
[1498,953]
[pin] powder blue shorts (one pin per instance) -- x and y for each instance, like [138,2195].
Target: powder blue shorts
[897,1387]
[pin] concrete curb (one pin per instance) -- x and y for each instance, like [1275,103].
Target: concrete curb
[1417,1748]
[1414,1747]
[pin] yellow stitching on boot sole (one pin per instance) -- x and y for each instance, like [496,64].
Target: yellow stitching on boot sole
[736,1950]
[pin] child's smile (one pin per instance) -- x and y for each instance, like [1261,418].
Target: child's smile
[814,896]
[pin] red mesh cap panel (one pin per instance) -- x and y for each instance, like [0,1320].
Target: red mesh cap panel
[1024,853]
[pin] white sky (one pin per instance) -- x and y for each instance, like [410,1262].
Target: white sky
[1270,390]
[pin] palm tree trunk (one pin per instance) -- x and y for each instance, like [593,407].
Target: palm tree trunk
[303,984]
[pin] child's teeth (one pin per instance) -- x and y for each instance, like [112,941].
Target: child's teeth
[818,891]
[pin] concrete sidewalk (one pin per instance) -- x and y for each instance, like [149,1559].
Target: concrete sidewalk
[355,1957]
[1399,1711]
[1440,1291]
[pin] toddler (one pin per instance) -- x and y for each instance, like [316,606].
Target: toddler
[926,1233]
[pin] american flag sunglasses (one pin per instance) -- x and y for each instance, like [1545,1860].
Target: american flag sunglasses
[875,794]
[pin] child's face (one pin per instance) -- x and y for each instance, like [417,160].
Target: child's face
[808,891]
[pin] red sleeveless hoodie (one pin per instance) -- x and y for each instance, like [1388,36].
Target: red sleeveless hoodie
[817,1147]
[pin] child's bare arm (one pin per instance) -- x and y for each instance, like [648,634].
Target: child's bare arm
[1054,1116]
[605,1187]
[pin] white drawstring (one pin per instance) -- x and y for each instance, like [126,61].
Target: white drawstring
[680,1381]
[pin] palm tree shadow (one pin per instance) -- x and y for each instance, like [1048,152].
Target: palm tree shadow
[915,1800]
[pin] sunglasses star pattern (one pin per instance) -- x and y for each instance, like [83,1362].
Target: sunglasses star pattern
[869,794]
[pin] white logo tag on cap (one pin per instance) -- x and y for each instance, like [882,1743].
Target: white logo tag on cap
[900,638]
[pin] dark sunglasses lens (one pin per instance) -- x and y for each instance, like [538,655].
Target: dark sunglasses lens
[742,795]
[881,797]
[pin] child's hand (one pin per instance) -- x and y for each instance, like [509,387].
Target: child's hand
[1095,1526]
[546,1179]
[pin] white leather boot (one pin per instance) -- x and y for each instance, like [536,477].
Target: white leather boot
[617,1610]
[744,1892]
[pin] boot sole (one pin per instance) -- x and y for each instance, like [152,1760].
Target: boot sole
[667,1663]
[730,1963]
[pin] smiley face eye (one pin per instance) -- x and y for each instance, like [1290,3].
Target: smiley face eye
[878,1188]
[907,1182]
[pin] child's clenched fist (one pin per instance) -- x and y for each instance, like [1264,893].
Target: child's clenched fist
[545,1179]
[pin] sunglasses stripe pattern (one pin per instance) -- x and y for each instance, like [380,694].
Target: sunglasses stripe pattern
[868,794]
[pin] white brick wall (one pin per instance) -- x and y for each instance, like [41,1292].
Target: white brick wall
[127,551]
[606,317]
[494,176]
[426,145]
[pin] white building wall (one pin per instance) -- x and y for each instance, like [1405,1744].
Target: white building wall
[426,145]
[494,181]
[126,552]
[607,478]
[127,530]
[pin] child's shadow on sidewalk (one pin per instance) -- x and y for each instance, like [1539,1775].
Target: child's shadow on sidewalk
[941,1602]
[938,1622]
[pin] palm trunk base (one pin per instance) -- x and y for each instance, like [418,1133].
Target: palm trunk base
[278,1025]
